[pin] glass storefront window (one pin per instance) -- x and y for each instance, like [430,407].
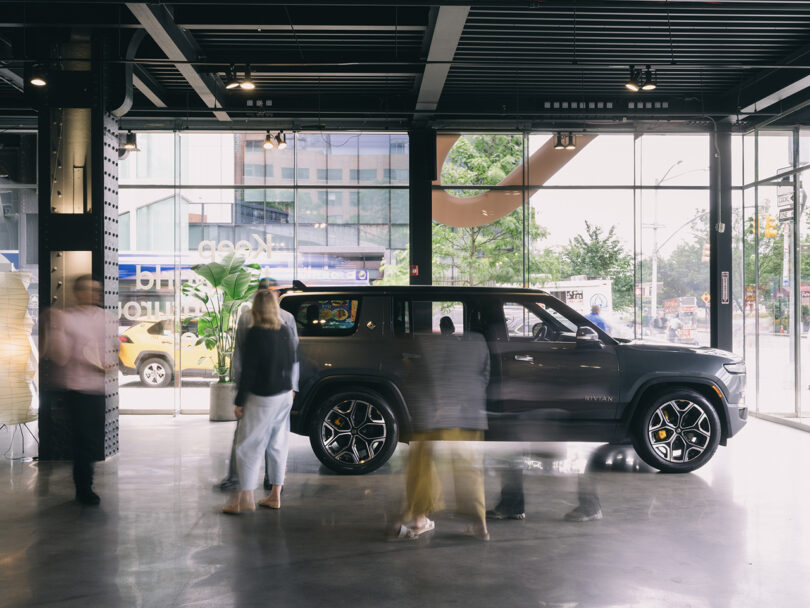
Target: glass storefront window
[604,160]
[310,212]
[673,160]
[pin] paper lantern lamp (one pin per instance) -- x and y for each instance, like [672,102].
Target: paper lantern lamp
[16,368]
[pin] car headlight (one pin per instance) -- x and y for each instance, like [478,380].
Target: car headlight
[735,368]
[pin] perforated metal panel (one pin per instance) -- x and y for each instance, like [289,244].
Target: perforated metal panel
[109,251]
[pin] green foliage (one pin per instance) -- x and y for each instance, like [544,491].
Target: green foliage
[227,286]
[481,160]
[395,272]
[601,255]
[492,253]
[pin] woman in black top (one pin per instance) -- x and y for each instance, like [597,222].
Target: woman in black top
[263,402]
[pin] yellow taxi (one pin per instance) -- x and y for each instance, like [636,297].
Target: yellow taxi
[153,351]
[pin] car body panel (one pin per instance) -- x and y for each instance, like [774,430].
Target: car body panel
[561,388]
[156,338]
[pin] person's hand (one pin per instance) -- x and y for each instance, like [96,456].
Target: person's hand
[294,394]
[238,411]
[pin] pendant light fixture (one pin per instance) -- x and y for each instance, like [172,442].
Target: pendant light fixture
[231,80]
[131,142]
[247,83]
[649,84]
[39,76]
[281,140]
[633,83]
[268,142]
[570,145]
[558,145]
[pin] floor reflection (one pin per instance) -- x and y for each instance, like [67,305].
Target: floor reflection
[732,534]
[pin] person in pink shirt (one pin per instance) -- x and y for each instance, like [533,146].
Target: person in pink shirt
[75,345]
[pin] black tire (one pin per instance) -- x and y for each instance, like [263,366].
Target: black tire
[677,431]
[349,427]
[155,372]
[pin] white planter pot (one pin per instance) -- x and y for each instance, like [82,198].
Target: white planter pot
[221,402]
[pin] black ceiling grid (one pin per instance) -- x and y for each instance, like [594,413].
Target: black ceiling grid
[540,63]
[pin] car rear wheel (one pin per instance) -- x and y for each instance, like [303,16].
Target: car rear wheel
[354,432]
[155,372]
[677,431]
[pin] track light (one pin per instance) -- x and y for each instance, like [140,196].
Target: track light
[39,76]
[635,76]
[131,142]
[570,145]
[231,80]
[268,142]
[558,145]
[247,83]
[648,85]
[281,140]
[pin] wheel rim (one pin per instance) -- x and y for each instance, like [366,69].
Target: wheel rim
[353,432]
[154,374]
[679,431]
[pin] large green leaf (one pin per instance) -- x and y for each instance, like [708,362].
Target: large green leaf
[232,263]
[194,291]
[236,285]
[212,272]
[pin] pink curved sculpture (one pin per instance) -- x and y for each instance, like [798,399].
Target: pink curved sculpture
[465,212]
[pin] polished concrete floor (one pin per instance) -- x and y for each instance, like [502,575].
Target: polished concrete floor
[736,533]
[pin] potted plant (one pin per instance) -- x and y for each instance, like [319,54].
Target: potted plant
[225,287]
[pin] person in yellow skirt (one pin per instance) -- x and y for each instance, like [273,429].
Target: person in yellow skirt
[448,405]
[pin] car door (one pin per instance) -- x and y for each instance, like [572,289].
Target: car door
[545,370]
[420,326]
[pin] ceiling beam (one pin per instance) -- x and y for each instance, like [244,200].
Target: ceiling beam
[179,46]
[143,80]
[12,78]
[446,33]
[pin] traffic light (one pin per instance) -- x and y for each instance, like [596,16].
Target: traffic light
[758,225]
[771,229]
[707,253]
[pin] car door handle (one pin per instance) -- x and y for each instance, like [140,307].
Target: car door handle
[528,358]
[411,356]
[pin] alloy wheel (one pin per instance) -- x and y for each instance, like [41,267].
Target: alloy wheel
[353,432]
[154,373]
[679,431]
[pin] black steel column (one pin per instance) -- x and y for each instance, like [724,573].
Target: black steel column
[720,239]
[422,170]
[78,216]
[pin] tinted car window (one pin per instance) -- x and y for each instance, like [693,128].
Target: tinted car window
[324,316]
[539,320]
[429,317]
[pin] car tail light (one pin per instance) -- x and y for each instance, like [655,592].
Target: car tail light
[125,339]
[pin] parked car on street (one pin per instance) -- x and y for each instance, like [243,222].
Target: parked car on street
[153,351]
[554,375]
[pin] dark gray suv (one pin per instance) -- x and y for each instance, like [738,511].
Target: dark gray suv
[554,375]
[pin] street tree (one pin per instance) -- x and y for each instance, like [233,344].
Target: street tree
[601,255]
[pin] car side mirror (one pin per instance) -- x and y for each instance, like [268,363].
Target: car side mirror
[587,337]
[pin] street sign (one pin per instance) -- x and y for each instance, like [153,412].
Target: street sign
[705,297]
[786,215]
[784,190]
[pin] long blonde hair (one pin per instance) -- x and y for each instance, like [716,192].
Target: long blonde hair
[265,311]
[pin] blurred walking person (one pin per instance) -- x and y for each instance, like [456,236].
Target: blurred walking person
[448,406]
[262,404]
[74,346]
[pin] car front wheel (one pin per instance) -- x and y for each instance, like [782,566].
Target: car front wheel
[677,431]
[354,433]
[155,372]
